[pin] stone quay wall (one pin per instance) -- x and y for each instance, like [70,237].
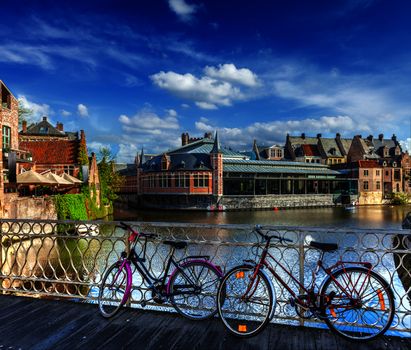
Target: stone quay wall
[277,201]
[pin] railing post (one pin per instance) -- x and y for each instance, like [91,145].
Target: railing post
[127,249]
[301,267]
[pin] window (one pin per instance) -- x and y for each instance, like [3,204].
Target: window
[377,173]
[279,153]
[69,169]
[397,174]
[378,185]
[182,180]
[201,180]
[307,160]
[387,173]
[165,180]
[6,137]
[365,185]
[365,172]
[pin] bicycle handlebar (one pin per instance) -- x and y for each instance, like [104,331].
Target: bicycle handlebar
[259,228]
[134,233]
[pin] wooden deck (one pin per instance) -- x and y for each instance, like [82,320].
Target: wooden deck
[27,323]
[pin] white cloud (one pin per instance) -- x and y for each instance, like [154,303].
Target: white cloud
[205,91]
[182,9]
[406,145]
[65,113]
[126,153]
[172,112]
[229,72]
[96,146]
[82,110]
[274,132]
[39,110]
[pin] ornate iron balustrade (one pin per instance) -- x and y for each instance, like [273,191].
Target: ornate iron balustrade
[67,259]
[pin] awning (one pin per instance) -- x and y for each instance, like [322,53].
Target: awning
[32,178]
[72,179]
[59,180]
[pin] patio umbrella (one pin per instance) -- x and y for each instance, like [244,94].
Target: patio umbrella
[72,179]
[59,180]
[32,178]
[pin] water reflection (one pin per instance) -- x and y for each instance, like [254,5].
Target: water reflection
[362,217]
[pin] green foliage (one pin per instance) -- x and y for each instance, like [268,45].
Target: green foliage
[399,198]
[23,112]
[110,181]
[71,207]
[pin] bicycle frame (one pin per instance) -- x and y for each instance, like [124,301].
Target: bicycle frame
[309,291]
[164,288]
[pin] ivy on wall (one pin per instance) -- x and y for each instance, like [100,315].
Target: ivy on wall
[71,207]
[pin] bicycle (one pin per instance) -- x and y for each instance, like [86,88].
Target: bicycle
[354,301]
[191,287]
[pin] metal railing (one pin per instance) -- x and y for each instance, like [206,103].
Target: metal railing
[67,259]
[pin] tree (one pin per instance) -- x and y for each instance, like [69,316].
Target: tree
[24,112]
[110,180]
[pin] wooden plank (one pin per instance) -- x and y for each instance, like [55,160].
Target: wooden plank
[48,324]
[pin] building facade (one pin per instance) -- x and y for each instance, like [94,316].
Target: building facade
[52,148]
[204,175]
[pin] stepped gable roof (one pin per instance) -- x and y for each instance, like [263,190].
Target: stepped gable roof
[44,128]
[52,151]
[310,150]
[330,147]
[279,166]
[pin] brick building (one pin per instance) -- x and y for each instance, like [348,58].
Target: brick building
[387,154]
[11,156]
[202,175]
[52,148]
[406,172]
[370,175]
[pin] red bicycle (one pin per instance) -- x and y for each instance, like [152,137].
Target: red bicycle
[354,301]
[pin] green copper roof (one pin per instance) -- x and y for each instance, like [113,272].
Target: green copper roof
[258,166]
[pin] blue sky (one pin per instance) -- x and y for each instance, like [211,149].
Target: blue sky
[139,73]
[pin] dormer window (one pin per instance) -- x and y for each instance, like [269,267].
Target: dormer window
[44,130]
[165,162]
[332,151]
[386,152]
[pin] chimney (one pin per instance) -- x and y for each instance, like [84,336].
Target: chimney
[303,136]
[24,126]
[394,138]
[82,137]
[184,138]
[59,126]
[319,136]
[44,118]
[381,137]
[338,136]
[370,138]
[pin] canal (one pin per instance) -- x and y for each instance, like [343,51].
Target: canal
[388,217]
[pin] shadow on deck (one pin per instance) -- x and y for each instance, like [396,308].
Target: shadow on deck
[27,323]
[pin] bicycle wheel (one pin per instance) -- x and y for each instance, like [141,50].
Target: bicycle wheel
[358,303]
[244,305]
[193,290]
[112,290]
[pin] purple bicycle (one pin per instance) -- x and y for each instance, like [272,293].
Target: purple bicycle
[191,287]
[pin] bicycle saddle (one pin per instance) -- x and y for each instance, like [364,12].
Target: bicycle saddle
[176,244]
[325,247]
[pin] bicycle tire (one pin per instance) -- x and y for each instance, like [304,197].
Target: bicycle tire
[200,305]
[111,296]
[373,304]
[244,318]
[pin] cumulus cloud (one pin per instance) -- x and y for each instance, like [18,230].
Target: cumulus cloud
[65,113]
[406,144]
[218,87]
[96,146]
[182,9]
[229,72]
[38,110]
[274,132]
[82,110]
